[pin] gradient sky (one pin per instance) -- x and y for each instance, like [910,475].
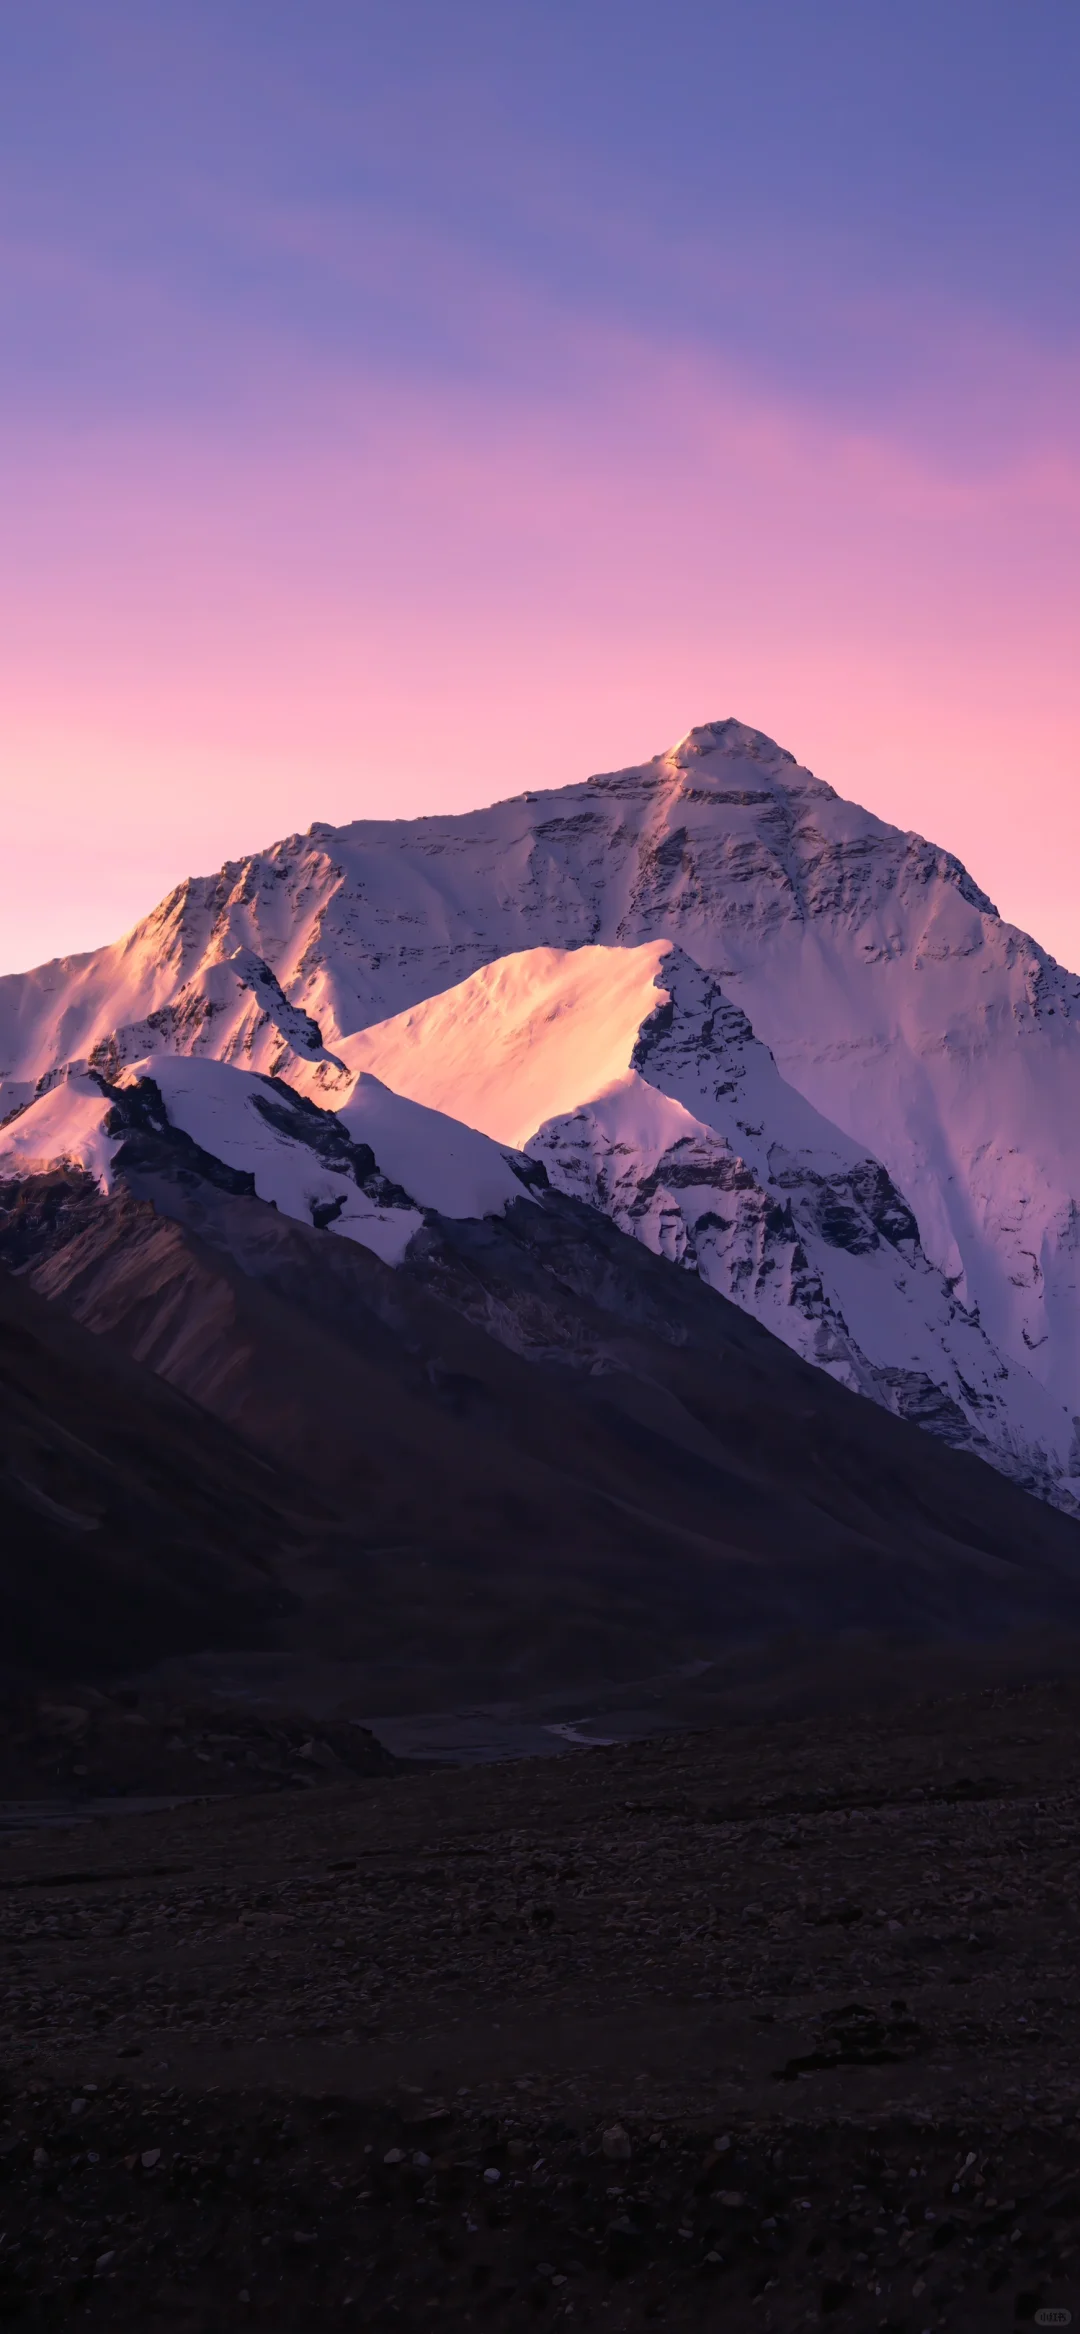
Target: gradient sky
[401,404]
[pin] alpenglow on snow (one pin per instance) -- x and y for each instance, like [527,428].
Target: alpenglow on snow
[937,1047]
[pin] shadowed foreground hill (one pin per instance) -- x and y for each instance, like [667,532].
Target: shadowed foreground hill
[131,1523]
[534,1454]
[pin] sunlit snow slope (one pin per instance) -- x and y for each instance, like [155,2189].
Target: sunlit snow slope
[645,1092]
[945,1043]
[521,1041]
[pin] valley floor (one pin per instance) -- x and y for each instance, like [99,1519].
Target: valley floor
[769,2026]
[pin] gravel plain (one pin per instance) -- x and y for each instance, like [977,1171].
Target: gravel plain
[767,2026]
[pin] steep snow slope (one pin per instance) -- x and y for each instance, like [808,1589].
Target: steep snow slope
[230,1007]
[67,1126]
[442,1164]
[645,1092]
[946,1043]
[320,1168]
[521,1041]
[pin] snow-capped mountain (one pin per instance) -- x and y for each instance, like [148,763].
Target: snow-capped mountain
[645,1092]
[367,1172]
[943,1042]
[637,1087]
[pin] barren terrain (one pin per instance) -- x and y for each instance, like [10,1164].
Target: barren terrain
[761,2027]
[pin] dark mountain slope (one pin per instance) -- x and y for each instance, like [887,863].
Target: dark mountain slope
[132,1524]
[548,1454]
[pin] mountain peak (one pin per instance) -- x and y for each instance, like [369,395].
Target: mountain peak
[729,736]
[712,753]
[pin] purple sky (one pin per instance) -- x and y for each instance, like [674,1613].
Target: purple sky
[403,404]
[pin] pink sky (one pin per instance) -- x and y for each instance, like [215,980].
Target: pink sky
[379,602]
[400,406]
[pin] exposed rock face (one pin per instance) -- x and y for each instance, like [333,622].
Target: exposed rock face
[944,1043]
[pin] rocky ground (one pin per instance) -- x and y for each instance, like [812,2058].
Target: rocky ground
[759,2028]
